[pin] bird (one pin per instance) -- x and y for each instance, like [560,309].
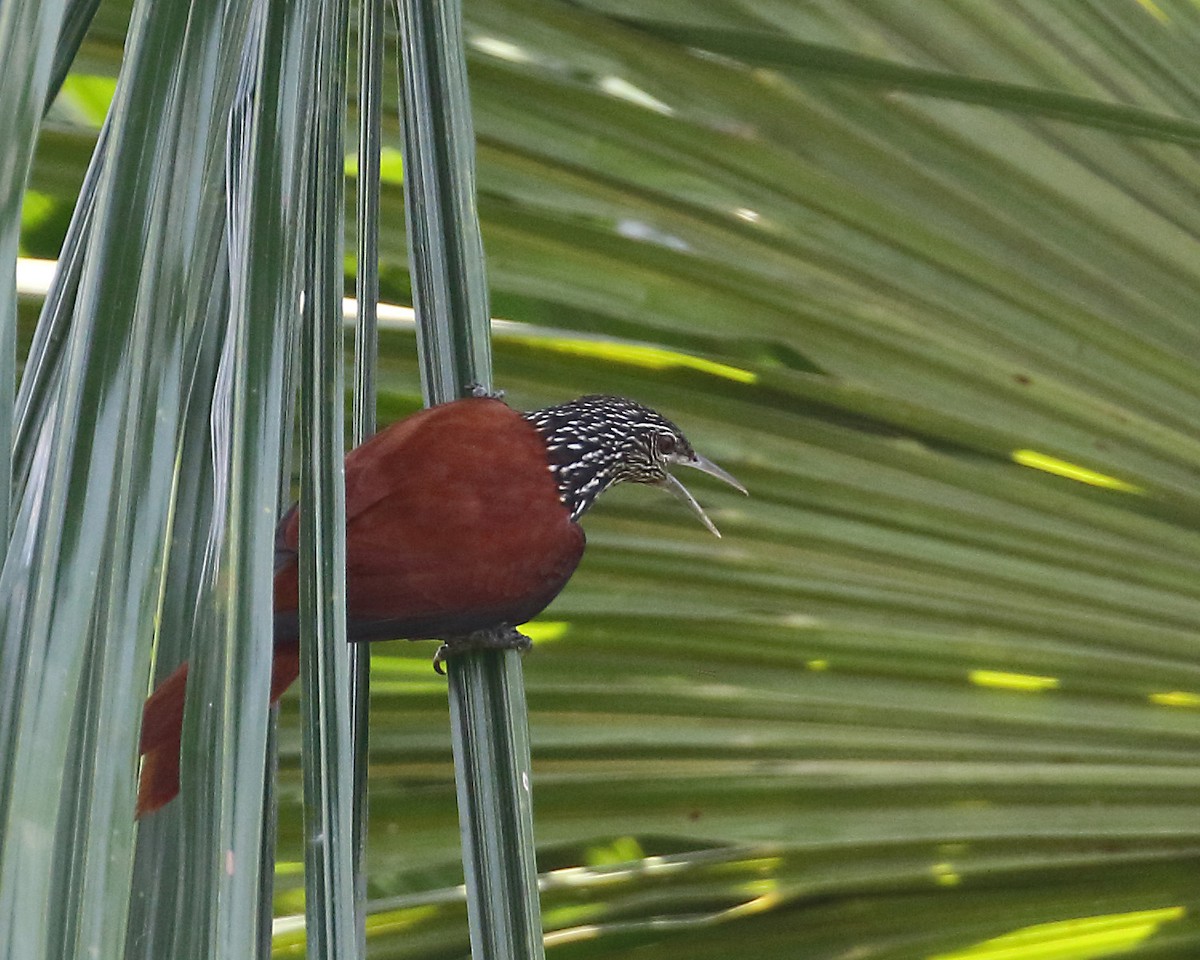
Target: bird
[462,522]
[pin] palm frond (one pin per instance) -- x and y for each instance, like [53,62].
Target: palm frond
[922,276]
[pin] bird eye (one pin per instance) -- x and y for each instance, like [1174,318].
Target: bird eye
[665,444]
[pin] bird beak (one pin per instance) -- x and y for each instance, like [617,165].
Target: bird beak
[704,465]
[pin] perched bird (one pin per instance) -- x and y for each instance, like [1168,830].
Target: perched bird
[462,521]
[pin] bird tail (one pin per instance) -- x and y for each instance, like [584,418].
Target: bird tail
[162,728]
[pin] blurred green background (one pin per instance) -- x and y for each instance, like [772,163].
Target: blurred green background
[924,276]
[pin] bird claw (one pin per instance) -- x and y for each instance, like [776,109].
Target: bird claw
[495,638]
[479,391]
[439,658]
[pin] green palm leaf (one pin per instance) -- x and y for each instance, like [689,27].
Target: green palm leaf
[923,277]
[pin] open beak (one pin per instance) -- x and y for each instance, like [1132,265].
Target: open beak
[704,465]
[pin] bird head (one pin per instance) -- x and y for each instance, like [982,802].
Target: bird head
[597,441]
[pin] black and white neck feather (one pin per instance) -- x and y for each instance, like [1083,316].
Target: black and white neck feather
[597,441]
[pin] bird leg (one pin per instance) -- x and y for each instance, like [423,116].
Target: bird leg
[502,637]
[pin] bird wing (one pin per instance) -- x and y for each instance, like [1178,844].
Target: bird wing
[453,524]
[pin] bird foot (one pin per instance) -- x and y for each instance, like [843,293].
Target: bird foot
[494,638]
[478,390]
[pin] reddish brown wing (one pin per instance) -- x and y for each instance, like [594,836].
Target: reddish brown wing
[453,523]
